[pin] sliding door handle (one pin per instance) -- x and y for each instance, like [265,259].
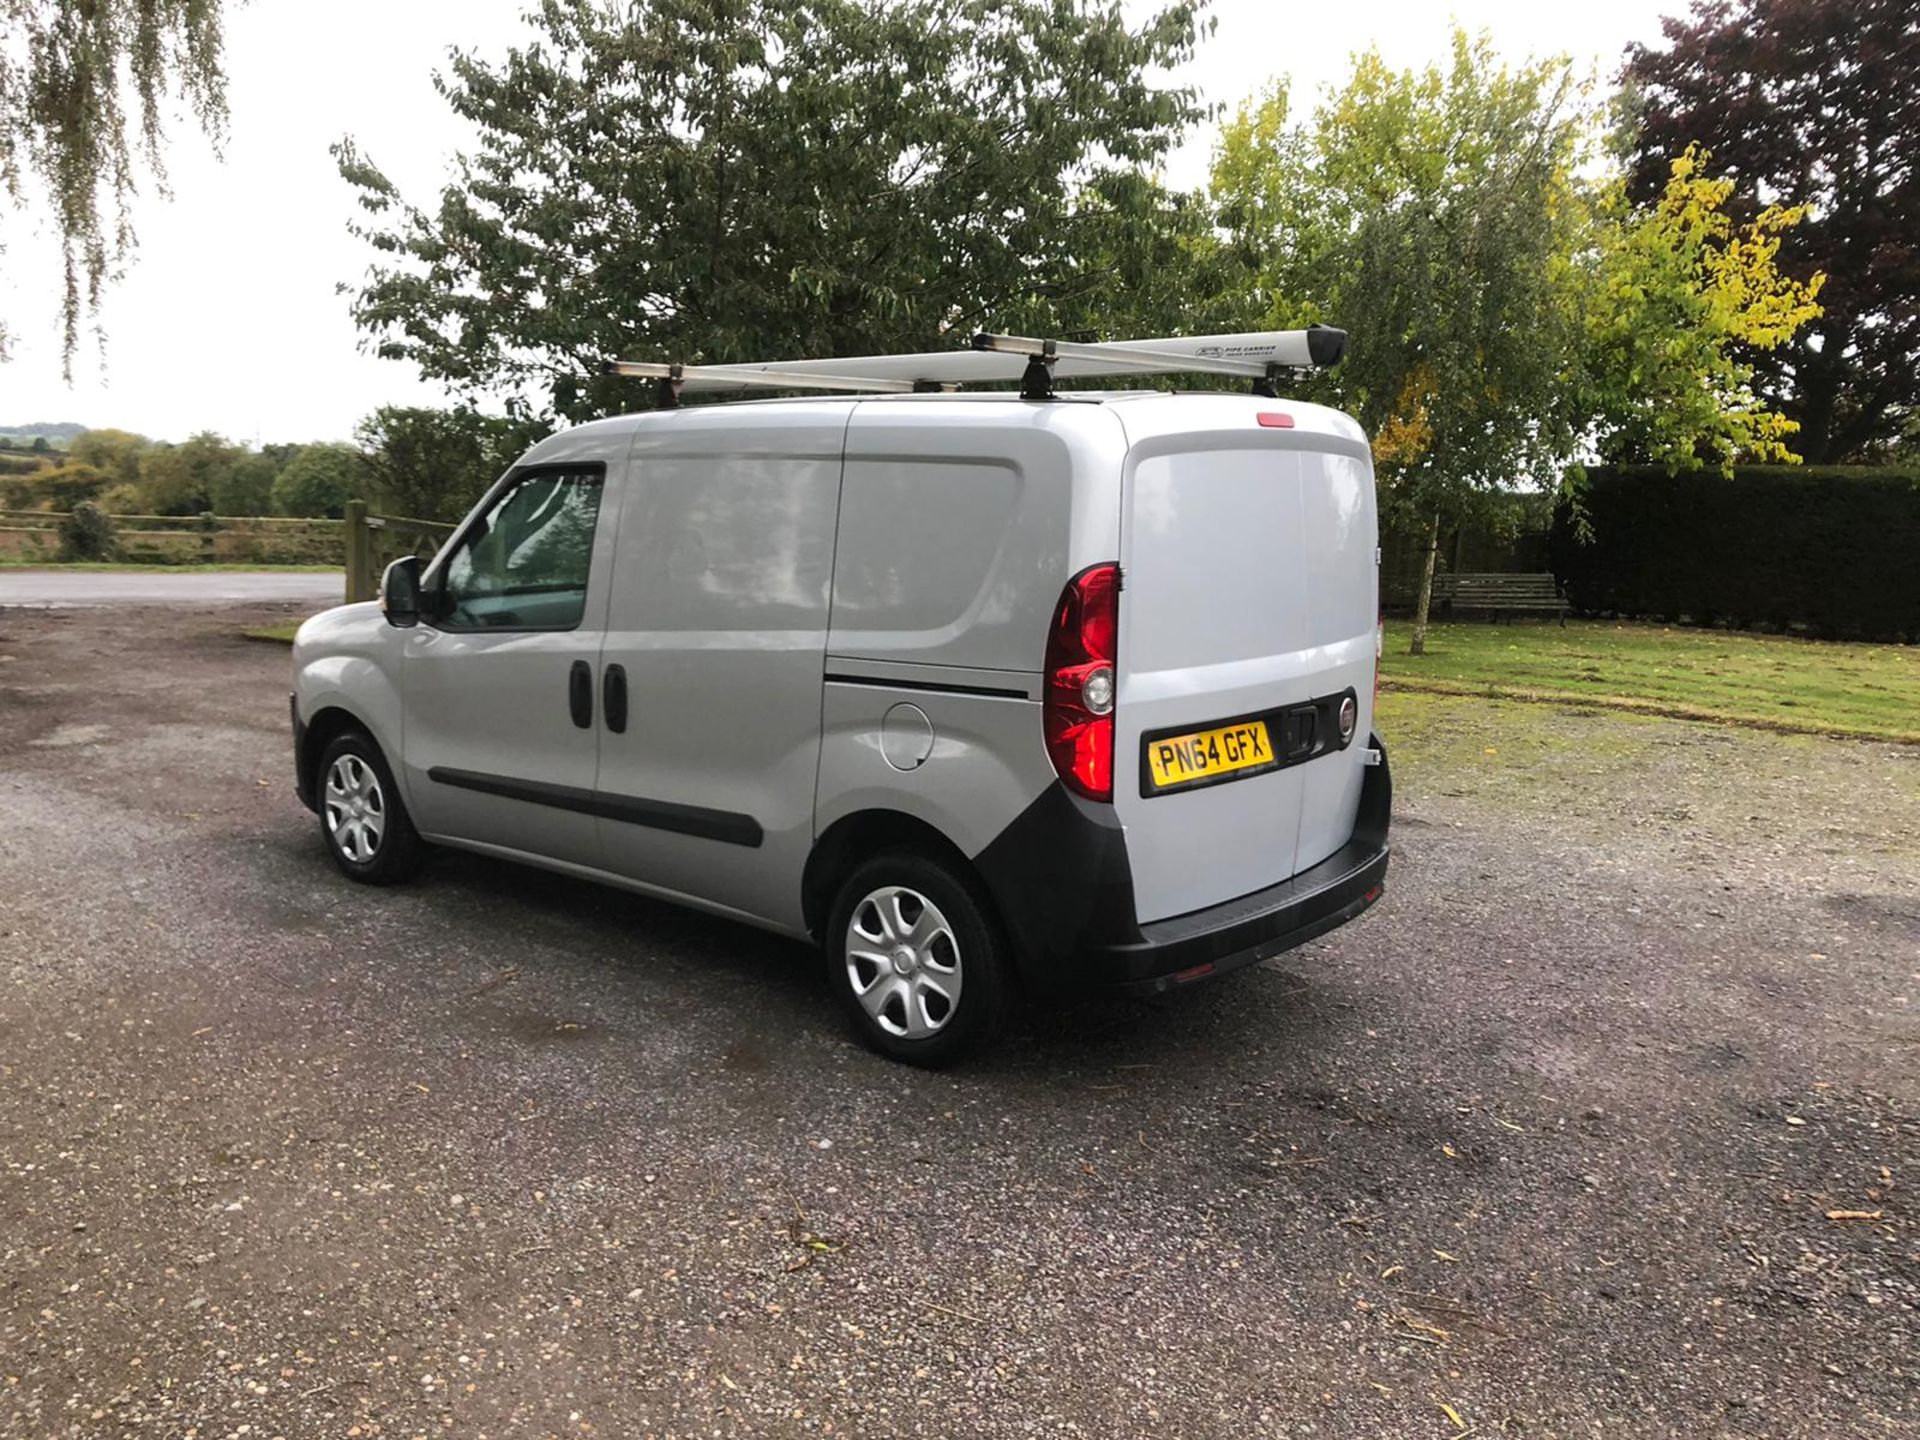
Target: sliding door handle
[580,694]
[613,698]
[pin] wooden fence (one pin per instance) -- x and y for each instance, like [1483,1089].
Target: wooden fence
[365,543]
[184,539]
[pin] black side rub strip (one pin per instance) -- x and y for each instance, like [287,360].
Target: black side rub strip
[723,825]
[992,692]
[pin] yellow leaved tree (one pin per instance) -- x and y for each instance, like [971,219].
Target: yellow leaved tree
[1680,293]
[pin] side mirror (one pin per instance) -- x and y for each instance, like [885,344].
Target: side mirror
[400,591]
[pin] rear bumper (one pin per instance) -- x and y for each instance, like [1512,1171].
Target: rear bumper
[1251,928]
[1061,879]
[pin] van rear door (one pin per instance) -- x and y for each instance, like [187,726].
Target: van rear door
[1247,612]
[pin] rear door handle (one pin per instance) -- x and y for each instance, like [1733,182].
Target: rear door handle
[580,694]
[613,698]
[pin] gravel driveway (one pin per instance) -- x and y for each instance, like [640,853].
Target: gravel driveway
[1547,1145]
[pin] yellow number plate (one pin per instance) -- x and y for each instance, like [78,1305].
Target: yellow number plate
[1207,754]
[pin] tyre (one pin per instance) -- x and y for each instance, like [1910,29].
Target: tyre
[362,817]
[915,955]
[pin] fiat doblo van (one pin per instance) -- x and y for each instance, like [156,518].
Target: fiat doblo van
[981,692]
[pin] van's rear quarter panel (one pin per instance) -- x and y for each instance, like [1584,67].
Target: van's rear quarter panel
[960,522]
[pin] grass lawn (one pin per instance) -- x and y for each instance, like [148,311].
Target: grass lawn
[280,634]
[1766,681]
[16,562]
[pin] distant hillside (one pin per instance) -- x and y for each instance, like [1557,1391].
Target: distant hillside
[64,430]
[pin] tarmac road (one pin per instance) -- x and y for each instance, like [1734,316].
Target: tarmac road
[1547,1142]
[314,589]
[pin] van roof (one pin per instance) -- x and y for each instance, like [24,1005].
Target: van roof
[1209,407]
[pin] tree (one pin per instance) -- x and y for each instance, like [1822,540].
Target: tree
[1432,213]
[61,487]
[245,487]
[727,180]
[319,480]
[433,464]
[84,86]
[40,445]
[1813,101]
[167,485]
[1681,294]
[115,451]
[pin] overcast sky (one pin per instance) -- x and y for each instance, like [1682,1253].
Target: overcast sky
[229,319]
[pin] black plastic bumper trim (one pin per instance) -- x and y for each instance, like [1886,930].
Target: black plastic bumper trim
[726,826]
[1251,928]
[303,777]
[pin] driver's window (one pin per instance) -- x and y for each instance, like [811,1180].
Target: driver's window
[523,565]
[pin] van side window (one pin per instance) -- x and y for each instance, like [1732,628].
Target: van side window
[523,565]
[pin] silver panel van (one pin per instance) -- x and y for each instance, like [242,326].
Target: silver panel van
[984,693]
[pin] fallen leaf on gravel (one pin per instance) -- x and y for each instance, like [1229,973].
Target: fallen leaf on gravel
[1449,1152]
[1452,1414]
[1795,1120]
[1509,1125]
[1423,1327]
[1391,1271]
[1381,1388]
[1855,1214]
[1450,1259]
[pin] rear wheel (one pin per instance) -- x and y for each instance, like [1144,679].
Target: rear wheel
[916,958]
[365,822]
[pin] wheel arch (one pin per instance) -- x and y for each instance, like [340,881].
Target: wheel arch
[854,838]
[327,724]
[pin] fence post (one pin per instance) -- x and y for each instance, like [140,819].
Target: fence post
[209,527]
[359,552]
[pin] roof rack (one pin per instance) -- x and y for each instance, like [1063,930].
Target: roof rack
[1260,355]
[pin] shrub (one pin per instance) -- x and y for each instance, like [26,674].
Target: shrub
[1830,549]
[87,534]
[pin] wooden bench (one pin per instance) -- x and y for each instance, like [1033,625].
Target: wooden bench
[1499,594]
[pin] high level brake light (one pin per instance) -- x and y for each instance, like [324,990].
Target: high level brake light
[1077,715]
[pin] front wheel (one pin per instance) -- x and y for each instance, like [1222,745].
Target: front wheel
[916,958]
[365,822]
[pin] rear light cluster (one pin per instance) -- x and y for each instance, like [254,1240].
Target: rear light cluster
[1077,716]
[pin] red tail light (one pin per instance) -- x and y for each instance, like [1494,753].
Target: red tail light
[1077,716]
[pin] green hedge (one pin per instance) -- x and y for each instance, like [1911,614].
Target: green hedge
[1834,550]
